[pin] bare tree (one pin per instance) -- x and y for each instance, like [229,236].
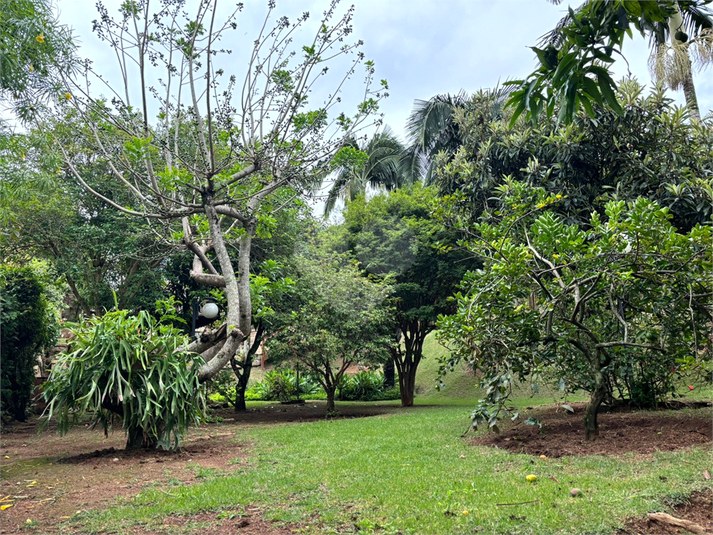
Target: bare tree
[204,171]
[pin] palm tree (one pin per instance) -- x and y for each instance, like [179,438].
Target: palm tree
[382,169]
[432,126]
[688,29]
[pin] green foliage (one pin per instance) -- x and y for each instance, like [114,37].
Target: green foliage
[29,325]
[131,367]
[281,385]
[651,151]
[610,308]
[362,386]
[341,318]
[33,46]
[94,248]
[395,238]
[574,72]
[377,163]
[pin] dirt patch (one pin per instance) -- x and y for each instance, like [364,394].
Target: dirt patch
[698,509]
[48,478]
[620,431]
[229,523]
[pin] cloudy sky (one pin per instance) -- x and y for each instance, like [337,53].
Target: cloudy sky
[422,47]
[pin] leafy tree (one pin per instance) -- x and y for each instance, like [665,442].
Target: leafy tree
[395,238]
[33,46]
[342,320]
[212,162]
[573,70]
[433,127]
[29,325]
[649,151]
[377,163]
[608,308]
[134,368]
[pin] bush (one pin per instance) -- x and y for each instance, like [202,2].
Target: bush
[29,325]
[133,368]
[281,385]
[362,386]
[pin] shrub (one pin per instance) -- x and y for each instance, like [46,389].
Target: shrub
[29,325]
[133,368]
[363,386]
[281,385]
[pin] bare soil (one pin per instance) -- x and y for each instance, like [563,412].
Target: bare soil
[621,430]
[47,478]
[698,509]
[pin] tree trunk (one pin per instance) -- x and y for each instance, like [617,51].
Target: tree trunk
[240,405]
[137,440]
[237,293]
[675,23]
[242,384]
[591,426]
[407,383]
[389,373]
[330,399]
[689,91]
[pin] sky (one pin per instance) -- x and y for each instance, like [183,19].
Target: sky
[421,47]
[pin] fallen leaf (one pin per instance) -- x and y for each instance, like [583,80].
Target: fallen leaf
[65,517]
[553,478]
[706,475]
[6,506]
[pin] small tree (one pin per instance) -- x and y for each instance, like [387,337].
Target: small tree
[609,308]
[342,320]
[394,237]
[133,368]
[28,326]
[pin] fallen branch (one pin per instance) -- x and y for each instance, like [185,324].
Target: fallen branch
[679,523]
[516,503]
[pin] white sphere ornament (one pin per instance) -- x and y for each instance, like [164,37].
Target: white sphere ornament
[210,311]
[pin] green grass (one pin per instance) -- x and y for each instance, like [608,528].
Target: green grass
[410,472]
[461,386]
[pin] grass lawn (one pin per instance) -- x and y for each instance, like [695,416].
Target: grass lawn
[404,471]
[411,472]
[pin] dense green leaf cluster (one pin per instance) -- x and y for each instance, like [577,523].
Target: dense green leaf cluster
[573,72]
[650,150]
[29,325]
[340,318]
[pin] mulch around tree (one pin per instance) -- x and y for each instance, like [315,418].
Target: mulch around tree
[620,431]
